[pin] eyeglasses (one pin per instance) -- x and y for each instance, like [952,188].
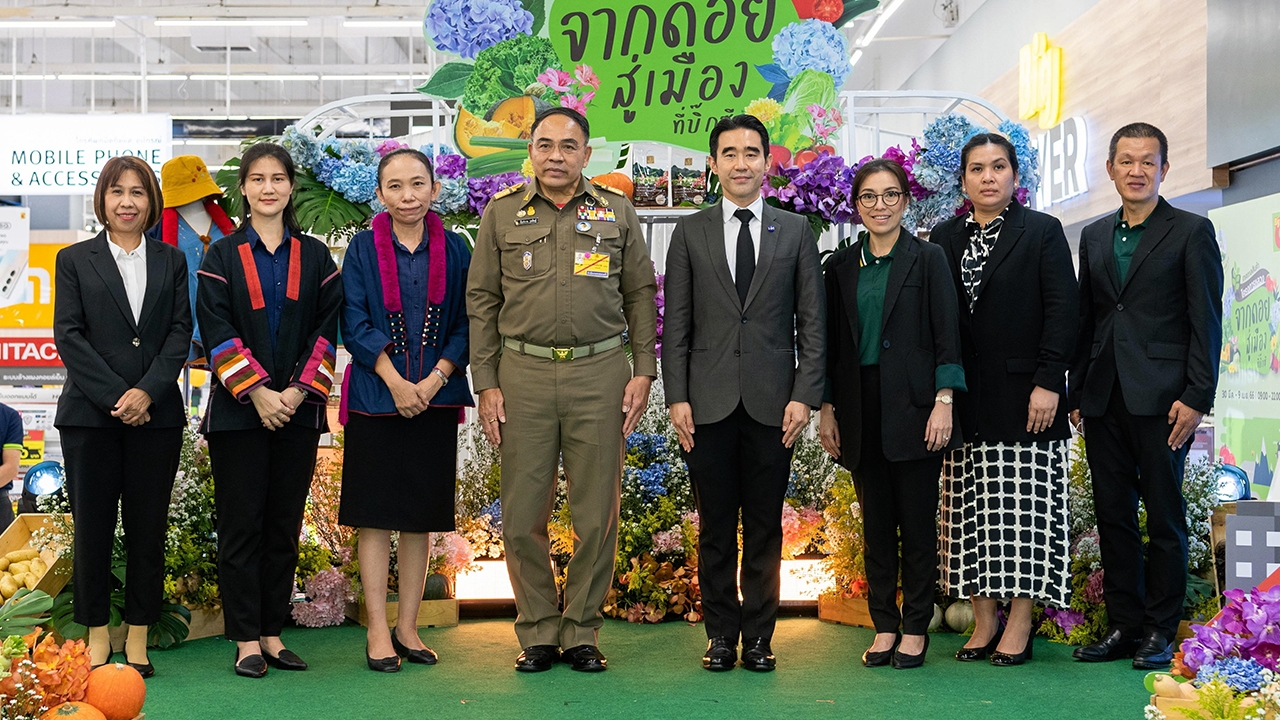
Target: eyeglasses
[868,199]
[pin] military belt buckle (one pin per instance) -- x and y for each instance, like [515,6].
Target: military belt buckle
[562,354]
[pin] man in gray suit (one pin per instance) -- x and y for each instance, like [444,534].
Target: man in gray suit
[744,349]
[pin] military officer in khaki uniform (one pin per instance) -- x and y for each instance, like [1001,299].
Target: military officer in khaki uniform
[560,270]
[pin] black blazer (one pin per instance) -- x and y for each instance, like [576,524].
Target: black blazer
[1021,332]
[1161,329]
[105,351]
[237,334]
[920,332]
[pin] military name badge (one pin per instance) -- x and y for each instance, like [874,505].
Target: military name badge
[591,264]
[596,213]
[527,259]
[526,221]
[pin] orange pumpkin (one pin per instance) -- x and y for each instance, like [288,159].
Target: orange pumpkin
[618,181]
[77,710]
[117,690]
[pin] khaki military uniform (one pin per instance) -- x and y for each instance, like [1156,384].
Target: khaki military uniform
[550,292]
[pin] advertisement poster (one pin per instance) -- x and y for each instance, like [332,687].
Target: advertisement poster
[15,236]
[63,154]
[31,305]
[1247,410]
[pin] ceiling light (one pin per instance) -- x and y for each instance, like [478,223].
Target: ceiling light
[382,23]
[99,77]
[404,77]
[881,19]
[857,55]
[19,24]
[251,23]
[257,78]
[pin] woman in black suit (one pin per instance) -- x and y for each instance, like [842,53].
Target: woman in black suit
[893,364]
[1004,499]
[122,323]
[268,301]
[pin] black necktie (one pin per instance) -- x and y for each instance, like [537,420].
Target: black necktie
[746,259]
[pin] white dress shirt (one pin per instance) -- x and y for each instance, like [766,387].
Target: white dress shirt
[133,271]
[731,226]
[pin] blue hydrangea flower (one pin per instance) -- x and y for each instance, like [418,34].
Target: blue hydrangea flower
[326,168]
[812,45]
[452,197]
[362,152]
[356,181]
[1242,675]
[494,511]
[303,148]
[465,27]
[1028,158]
[648,483]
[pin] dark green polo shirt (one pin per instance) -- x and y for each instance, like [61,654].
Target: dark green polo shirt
[1124,241]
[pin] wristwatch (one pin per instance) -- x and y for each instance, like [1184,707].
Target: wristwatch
[444,379]
[944,399]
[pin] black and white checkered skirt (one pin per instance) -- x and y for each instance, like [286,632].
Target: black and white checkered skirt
[1004,522]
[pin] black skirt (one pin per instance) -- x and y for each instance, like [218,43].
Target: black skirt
[400,473]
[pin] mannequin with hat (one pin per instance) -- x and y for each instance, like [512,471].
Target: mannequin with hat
[191,221]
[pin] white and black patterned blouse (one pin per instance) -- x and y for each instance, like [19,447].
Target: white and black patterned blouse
[981,241]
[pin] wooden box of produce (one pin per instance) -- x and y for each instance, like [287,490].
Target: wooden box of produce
[844,611]
[431,613]
[22,566]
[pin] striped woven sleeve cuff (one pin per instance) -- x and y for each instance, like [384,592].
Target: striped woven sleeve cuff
[236,369]
[317,374]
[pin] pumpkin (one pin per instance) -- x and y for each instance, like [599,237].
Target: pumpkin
[959,615]
[618,181]
[117,690]
[936,622]
[437,587]
[77,710]
[468,126]
[518,112]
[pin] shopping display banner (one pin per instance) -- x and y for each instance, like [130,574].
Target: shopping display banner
[15,237]
[1247,409]
[63,154]
[32,303]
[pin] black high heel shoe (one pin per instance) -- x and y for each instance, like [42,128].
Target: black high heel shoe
[907,662]
[425,656]
[968,654]
[1000,659]
[386,664]
[880,658]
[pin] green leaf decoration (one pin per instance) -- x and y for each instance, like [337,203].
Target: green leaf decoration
[448,81]
[228,178]
[62,616]
[172,628]
[24,611]
[854,8]
[539,10]
[322,210]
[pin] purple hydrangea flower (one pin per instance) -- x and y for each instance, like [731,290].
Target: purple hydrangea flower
[482,189]
[450,165]
[1209,644]
[465,27]
[823,186]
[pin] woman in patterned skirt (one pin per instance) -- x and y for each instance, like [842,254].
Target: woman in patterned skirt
[1004,500]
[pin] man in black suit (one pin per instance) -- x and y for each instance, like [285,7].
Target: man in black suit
[743,368]
[1145,374]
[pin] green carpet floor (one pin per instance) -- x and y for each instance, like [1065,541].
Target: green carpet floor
[653,673]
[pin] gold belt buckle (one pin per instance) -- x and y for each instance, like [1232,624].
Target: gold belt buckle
[562,354]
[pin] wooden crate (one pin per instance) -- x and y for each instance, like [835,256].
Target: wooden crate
[1173,707]
[205,623]
[431,613]
[18,537]
[844,611]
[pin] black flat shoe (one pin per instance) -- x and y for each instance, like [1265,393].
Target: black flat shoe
[538,658]
[721,655]
[286,660]
[757,656]
[425,656]
[1155,653]
[968,654]
[146,669]
[1000,659]
[880,658]
[902,661]
[386,664]
[250,666]
[585,658]
[1113,646]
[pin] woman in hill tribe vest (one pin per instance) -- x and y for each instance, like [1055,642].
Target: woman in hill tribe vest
[268,304]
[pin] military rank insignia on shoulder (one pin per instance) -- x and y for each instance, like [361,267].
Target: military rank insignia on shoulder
[508,191]
[610,188]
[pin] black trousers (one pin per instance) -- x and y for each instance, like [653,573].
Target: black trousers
[1129,458]
[261,478]
[899,503]
[739,465]
[132,467]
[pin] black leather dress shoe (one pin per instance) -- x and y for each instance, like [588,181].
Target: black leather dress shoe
[1113,646]
[902,661]
[880,658]
[757,656]
[386,664]
[537,658]
[425,656]
[585,658]
[721,655]
[968,654]
[1154,653]
[1001,659]
[146,669]
[251,666]
[286,660]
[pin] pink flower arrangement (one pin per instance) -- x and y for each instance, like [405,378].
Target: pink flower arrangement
[670,541]
[451,554]
[825,121]
[328,593]
[558,80]
[798,528]
[389,146]
[575,91]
